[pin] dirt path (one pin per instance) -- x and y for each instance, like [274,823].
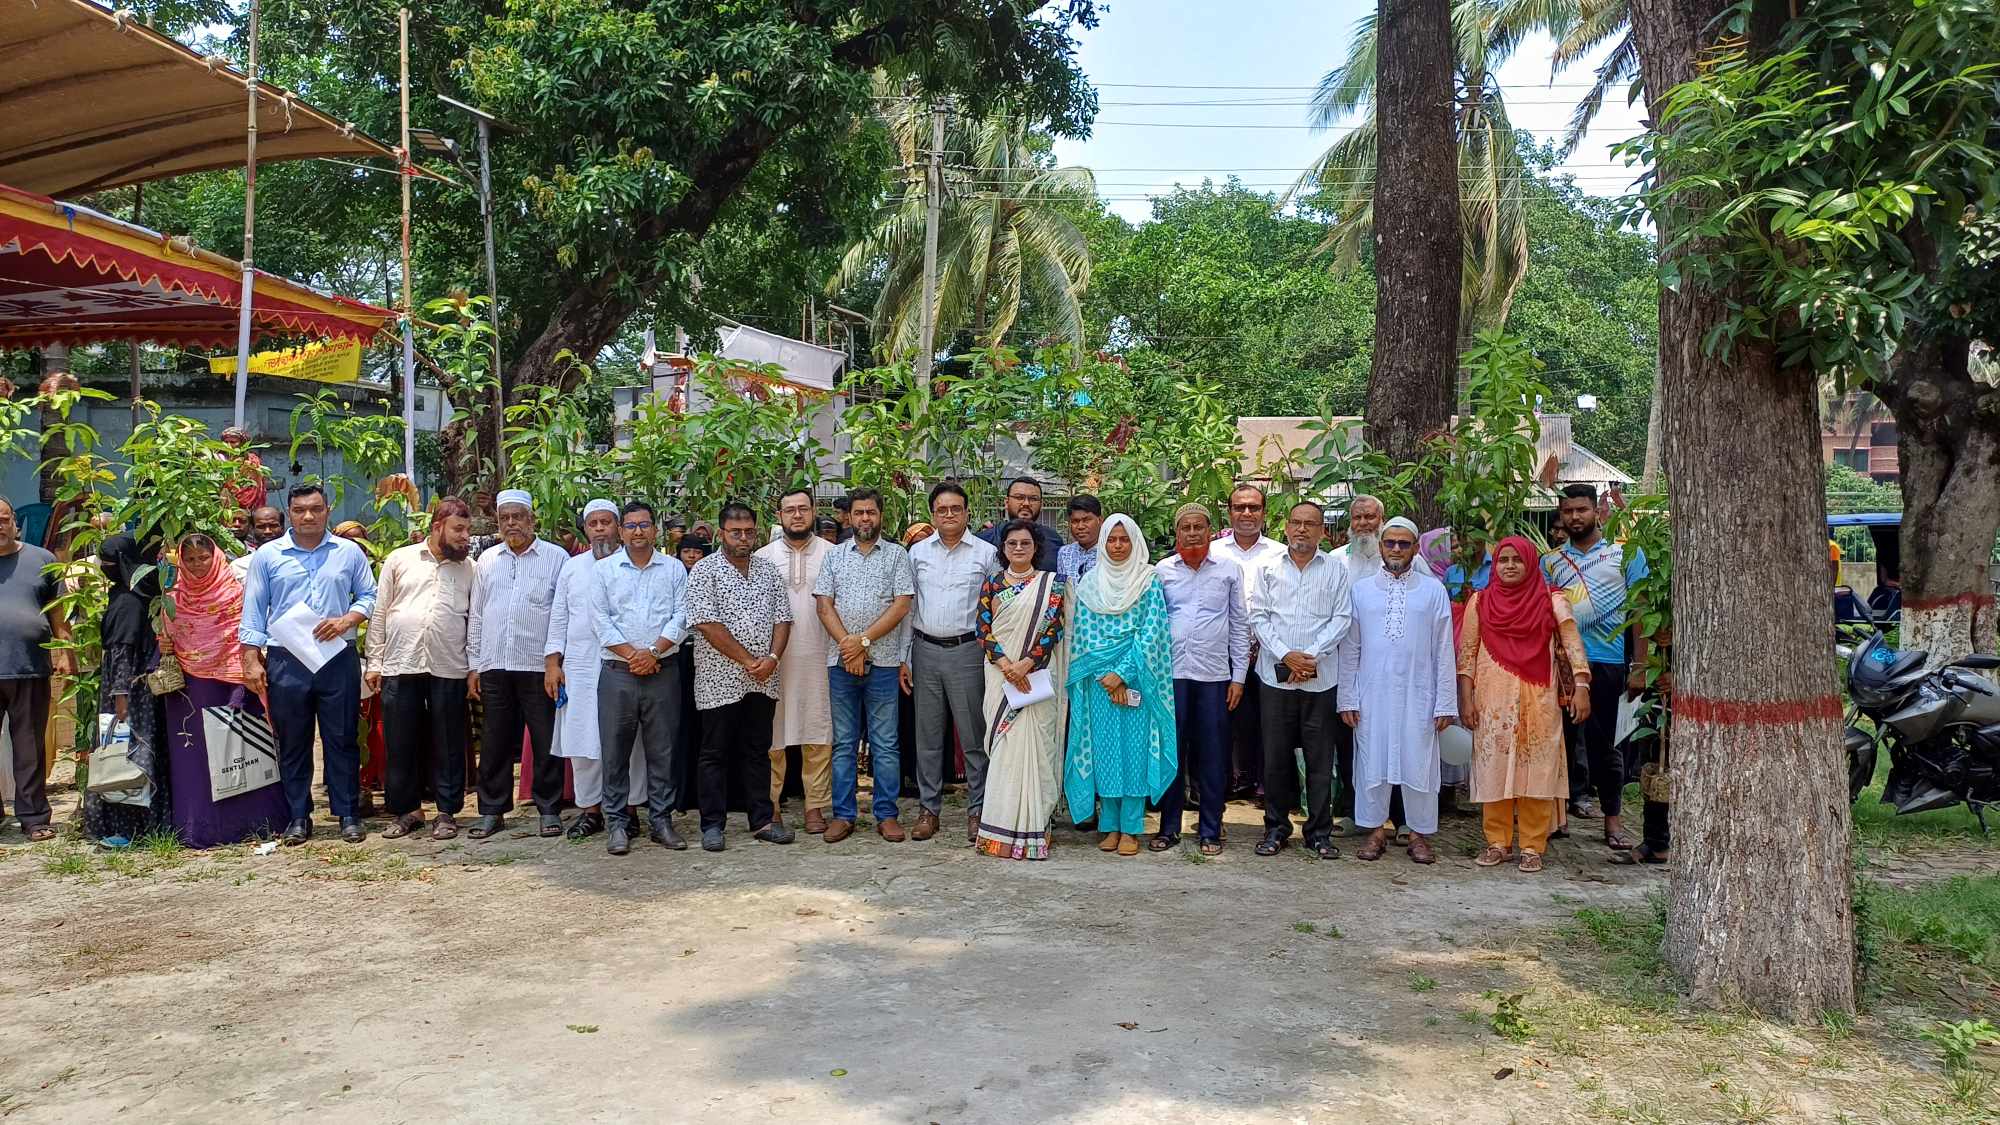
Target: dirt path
[521,979]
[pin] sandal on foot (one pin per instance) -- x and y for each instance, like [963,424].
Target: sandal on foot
[1162,842]
[445,827]
[1490,856]
[1211,847]
[551,825]
[1618,841]
[1128,845]
[1530,863]
[41,833]
[1324,849]
[487,826]
[403,826]
[1640,854]
[1109,843]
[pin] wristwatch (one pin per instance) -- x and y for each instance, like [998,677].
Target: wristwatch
[865,642]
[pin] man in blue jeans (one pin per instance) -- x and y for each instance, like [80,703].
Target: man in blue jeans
[864,591]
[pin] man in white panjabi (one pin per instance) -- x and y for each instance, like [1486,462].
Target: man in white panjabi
[1362,556]
[573,655]
[1400,666]
[804,718]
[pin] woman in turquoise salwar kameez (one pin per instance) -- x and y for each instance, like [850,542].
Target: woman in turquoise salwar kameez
[1122,744]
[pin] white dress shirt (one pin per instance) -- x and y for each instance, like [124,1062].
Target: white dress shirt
[640,606]
[510,606]
[948,581]
[1208,617]
[1252,560]
[1300,610]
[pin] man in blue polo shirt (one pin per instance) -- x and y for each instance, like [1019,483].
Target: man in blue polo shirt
[333,578]
[1595,574]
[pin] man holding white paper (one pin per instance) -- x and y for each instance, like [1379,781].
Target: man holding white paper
[309,571]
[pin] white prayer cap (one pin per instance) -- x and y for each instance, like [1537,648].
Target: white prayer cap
[1404,523]
[599,505]
[514,496]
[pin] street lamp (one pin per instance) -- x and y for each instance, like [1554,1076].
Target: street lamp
[485,122]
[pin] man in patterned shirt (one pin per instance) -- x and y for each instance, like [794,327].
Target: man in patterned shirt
[742,618]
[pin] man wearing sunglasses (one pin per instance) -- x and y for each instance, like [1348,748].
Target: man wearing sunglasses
[641,620]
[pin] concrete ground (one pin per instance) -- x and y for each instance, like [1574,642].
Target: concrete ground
[528,979]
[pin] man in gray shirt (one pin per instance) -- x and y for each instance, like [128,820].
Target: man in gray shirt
[28,621]
[864,590]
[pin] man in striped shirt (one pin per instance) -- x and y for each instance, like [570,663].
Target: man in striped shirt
[1595,574]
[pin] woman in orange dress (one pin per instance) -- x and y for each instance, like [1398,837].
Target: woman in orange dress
[1508,698]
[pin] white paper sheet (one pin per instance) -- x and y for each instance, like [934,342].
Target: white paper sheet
[1040,686]
[293,632]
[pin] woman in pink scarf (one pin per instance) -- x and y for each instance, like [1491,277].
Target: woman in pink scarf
[215,707]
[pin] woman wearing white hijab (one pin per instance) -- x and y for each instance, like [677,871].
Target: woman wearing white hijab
[1122,744]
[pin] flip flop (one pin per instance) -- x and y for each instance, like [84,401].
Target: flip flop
[1162,842]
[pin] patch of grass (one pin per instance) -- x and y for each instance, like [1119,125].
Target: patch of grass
[1954,921]
[1627,944]
[360,865]
[70,862]
[582,1028]
[1431,1021]
[1956,1040]
[1881,826]
[163,845]
[1303,927]
[1421,983]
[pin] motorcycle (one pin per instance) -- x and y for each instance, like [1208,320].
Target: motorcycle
[1941,727]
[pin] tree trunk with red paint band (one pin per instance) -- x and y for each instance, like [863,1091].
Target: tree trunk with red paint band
[1948,438]
[1760,911]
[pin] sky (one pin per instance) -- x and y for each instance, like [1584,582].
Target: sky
[1268,55]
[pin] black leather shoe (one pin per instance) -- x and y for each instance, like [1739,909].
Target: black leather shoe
[664,835]
[298,832]
[616,841]
[586,825]
[351,829]
[711,839]
[775,832]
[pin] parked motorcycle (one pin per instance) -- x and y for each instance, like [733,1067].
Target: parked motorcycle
[1941,728]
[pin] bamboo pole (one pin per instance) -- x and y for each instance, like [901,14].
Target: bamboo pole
[138,201]
[409,339]
[249,227]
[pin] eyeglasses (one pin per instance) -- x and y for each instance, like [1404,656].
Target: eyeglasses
[1399,544]
[639,526]
[1246,507]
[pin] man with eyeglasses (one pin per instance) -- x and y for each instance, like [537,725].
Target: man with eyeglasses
[1399,690]
[1249,548]
[28,622]
[1024,502]
[641,619]
[946,670]
[804,716]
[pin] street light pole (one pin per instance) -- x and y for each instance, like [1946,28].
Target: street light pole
[484,122]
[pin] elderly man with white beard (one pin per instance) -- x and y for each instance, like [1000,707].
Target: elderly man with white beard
[1399,676]
[1362,556]
[569,674]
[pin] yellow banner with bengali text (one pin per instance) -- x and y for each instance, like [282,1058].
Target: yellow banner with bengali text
[321,362]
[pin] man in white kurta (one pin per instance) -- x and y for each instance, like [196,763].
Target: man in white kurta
[804,718]
[1399,688]
[572,657]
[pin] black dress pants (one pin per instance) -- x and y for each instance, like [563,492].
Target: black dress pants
[424,731]
[1302,719]
[1595,765]
[736,745]
[515,702]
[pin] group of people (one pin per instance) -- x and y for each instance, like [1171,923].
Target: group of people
[633,675]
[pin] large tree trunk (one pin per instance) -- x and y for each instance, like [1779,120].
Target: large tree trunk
[1948,435]
[1759,912]
[1419,264]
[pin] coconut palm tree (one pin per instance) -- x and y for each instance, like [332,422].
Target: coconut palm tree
[1005,236]
[1492,176]
[1580,27]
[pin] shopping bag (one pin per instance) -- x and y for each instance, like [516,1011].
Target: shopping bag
[242,751]
[111,767]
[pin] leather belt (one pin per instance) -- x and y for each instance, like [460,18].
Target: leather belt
[947,642]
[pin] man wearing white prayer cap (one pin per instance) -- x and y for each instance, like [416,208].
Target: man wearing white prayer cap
[1401,667]
[572,657]
[514,585]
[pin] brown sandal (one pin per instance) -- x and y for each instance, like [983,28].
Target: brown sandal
[1491,857]
[1378,842]
[403,825]
[1128,845]
[445,827]
[1420,850]
[1211,847]
[1109,843]
[41,834]
[1530,863]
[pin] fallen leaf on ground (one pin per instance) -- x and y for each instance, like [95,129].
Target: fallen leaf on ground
[1503,1072]
[1129,1026]
[582,1028]
[838,1072]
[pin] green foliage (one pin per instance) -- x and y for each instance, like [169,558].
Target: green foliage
[1957,1040]
[1838,189]
[462,344]
[749,442]
[550,454]
[175,477]
[1509,1021]
[370,444]
[1486,468]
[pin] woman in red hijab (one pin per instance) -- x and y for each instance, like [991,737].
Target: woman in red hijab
[1508,697]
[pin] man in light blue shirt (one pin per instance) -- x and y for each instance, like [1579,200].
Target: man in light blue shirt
[334,579]
[1209,618]
[641,615]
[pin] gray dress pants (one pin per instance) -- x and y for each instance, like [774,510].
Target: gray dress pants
[949,677]
[648,708]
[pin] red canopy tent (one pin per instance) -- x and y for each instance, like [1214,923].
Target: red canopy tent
[69,275]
